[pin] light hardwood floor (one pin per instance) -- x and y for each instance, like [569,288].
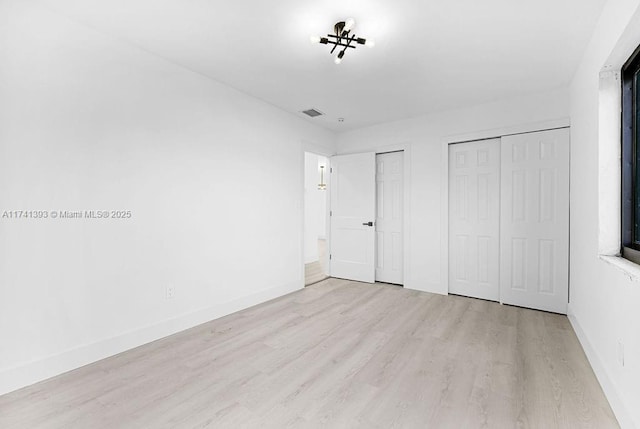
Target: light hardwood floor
[314,272]
[336,354]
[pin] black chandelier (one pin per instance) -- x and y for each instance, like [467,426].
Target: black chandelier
[342,38]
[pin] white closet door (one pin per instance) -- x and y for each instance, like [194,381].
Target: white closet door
[474,225]
[353,211]
[389,187]
[535,220]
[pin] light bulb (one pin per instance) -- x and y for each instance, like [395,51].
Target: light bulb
[370,43]
[337,60]
[314,39]
[349,23]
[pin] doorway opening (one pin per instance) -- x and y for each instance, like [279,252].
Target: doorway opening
[316,267]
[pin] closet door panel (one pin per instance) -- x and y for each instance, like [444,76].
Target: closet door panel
[474,210]
[534,220]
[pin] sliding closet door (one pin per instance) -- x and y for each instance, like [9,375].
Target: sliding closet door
[534,225]
[474,210]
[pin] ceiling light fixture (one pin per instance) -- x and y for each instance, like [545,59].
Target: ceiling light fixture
[342,37]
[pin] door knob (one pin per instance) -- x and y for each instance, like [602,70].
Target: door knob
[367,223]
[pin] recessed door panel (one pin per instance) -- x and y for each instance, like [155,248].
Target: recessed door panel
[518,254]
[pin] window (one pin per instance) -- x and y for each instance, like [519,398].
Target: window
[631,158]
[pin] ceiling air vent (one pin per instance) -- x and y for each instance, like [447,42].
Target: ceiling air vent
[312,113]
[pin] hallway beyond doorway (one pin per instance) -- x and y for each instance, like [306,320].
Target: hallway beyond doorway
[315,271]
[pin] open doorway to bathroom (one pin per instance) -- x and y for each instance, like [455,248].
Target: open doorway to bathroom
[315,218]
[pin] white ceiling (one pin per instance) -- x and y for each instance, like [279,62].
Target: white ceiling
[429,55]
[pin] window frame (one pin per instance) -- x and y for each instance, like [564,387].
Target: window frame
[630,244]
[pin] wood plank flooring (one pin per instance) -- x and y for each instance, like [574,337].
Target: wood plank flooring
[314,272]
[337,354]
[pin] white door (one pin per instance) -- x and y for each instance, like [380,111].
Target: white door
[389,213]
[474,223]
[535,220]
[353,210]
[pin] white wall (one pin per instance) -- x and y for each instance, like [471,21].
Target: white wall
[604,298]
[213,179]
[425,136]
[315,206]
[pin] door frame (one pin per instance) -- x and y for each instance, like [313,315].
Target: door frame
[444,177]
[315,149]
[405,147]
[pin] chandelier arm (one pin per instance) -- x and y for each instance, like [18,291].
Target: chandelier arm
[348,45]
[342,44]
[349,40]
[333,36]
[339,39]
[338,42]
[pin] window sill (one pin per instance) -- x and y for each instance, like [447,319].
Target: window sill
[629,268]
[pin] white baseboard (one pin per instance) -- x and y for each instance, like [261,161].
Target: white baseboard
[610,390]
[23,375]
